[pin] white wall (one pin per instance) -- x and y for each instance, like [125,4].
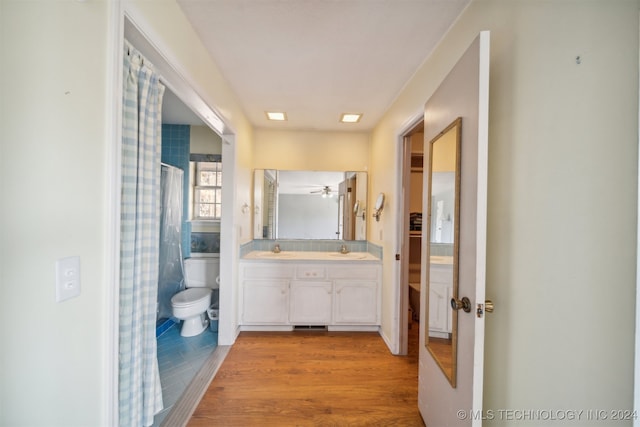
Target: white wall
[307,216]
[56,173]
[562,197]
[53,176]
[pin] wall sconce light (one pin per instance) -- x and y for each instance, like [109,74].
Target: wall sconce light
[377,210]
[359,210]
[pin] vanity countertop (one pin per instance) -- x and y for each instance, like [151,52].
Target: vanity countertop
[309,256]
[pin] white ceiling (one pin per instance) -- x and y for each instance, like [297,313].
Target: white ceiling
[317,59]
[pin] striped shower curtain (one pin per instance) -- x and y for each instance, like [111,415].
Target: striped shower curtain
[140,392]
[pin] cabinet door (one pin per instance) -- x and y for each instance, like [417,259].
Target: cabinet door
[356,302]
[440,290]
[265,302]
[438,308]
[310,303]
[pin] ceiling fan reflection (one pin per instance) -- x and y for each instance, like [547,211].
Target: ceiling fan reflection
[324,191]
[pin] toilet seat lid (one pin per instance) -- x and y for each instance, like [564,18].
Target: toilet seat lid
[190,296]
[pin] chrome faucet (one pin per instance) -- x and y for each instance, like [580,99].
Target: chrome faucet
[276,249]
[344,250]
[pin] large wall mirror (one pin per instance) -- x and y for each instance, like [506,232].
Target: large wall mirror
[443,192]
[310,204]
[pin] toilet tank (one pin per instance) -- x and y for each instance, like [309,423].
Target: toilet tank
[201,272]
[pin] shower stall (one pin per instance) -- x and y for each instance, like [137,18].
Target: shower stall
[170,268]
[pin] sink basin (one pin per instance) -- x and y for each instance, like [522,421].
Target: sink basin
[279,255]
[350,255]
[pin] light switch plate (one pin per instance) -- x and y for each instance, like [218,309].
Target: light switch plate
[67,278]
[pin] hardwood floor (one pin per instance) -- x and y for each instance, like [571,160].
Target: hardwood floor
[442,350]
[313,378]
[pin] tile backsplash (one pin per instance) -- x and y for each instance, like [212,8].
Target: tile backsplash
[205,242]
[311,246]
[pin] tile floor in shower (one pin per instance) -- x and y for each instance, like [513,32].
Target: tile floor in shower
[179,359]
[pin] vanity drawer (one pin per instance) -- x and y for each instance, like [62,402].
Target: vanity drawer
[367,272]
[267,271]
[311,272]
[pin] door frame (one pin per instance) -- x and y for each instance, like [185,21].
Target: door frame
[636,379]
[403,171]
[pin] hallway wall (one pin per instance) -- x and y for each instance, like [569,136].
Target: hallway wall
[563,150]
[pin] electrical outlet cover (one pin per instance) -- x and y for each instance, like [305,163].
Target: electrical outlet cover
[67,278]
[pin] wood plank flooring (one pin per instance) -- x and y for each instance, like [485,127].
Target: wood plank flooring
[313,378]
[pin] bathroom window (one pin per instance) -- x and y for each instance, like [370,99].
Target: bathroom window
[207,191]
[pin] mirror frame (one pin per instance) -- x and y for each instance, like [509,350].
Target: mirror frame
[452,375]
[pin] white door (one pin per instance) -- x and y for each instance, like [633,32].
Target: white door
[463,93]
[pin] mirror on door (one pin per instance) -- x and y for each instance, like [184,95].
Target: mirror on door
[443,197]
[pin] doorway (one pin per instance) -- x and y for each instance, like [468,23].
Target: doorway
[152,49]
[411,174]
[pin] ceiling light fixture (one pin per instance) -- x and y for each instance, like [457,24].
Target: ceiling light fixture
[350,117]
[278,116]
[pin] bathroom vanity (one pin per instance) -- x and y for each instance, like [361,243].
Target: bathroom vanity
[289,289]
[440,293]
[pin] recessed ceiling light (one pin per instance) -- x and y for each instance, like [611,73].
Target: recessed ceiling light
[350,117]
[276,115]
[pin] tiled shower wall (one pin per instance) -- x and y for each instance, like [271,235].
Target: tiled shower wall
[175,152]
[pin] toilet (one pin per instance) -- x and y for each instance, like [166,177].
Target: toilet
[191,304]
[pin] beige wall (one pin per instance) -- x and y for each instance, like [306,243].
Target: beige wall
[308,150]
[203,140]
[562,197]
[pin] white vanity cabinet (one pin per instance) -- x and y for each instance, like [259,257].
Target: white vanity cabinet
[357,295]
[356,303]
[311,295]
[264,294]
[310,302]
[282,294]
[265,302]
[440,292]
